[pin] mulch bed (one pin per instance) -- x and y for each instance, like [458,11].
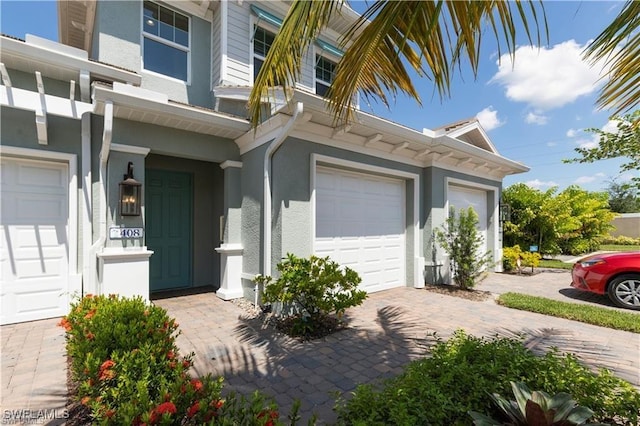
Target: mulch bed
[452,290]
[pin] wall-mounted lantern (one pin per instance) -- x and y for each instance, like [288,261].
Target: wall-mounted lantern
[130,191]
[505,212]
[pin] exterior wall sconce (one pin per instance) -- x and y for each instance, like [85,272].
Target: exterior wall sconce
[130,191]
[505,212]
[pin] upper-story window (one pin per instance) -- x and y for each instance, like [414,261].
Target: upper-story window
[325,73]
[166,41]
[262,41]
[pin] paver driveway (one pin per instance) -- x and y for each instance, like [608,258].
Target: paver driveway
[390,329]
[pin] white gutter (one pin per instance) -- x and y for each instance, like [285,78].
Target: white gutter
[102,194]
[271,149]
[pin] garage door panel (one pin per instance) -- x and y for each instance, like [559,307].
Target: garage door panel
[463,198]
[34,232]
[360,224]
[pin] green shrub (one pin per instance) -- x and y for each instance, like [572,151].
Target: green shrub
[128,370]
[462,241]
[315,287]
[510,256]
[463,371]
[621,240]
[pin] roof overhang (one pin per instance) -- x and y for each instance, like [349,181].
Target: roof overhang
[383,138]
[136,104]
[57,61]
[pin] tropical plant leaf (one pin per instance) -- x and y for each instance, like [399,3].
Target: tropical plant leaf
[618,46]
[431,37]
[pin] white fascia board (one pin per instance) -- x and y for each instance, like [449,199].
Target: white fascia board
[31,101]
[185,112]
[482,154]
[376,124]
[199,9]
[60,59]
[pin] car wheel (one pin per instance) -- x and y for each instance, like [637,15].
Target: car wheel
[624,291]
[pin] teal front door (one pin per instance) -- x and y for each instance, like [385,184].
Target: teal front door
[168,210]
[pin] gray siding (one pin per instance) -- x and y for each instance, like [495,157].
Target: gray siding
[216,54]
[238,44]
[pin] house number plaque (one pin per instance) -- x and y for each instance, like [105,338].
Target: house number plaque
[122,233]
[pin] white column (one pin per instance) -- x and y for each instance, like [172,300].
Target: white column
[230,271]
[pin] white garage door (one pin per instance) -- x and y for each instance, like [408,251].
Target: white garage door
[463,198]
[34,265]
[360,223]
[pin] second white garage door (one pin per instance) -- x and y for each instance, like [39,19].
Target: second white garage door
[462,198]
[360,223]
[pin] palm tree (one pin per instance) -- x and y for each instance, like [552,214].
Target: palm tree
[431,37]
[619,45]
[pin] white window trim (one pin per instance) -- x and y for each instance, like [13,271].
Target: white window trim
[172,44]
[327,161]
[253,23]
[317,51]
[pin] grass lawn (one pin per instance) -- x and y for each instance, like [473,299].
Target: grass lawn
[554,263]
[618,247]
[626,321]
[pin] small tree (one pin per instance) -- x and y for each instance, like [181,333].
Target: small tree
[462,242]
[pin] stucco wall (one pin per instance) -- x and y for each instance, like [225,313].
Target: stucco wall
[174,142]
[435,216]
[18,129]
[626,225]
[117,40]
[292,211]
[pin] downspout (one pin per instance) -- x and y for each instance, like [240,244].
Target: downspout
[102,193]
[271,149]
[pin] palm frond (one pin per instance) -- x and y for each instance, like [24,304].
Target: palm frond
[429,37]
[283,62]
[619,47]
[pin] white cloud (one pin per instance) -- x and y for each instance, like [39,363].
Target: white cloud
[587,143]
[588,179]
[534,118]
[611,126]
[537,183]
[547,78]
[571,133]
[489,119]
[551,143]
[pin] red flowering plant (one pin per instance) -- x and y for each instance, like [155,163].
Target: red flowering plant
[129,370]
[99,325]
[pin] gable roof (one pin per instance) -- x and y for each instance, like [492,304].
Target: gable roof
[470,131]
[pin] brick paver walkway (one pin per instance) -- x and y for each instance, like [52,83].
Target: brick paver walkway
[390,329]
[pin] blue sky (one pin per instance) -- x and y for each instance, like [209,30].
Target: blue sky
[534,112]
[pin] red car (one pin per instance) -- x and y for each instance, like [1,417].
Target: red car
[614,274]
